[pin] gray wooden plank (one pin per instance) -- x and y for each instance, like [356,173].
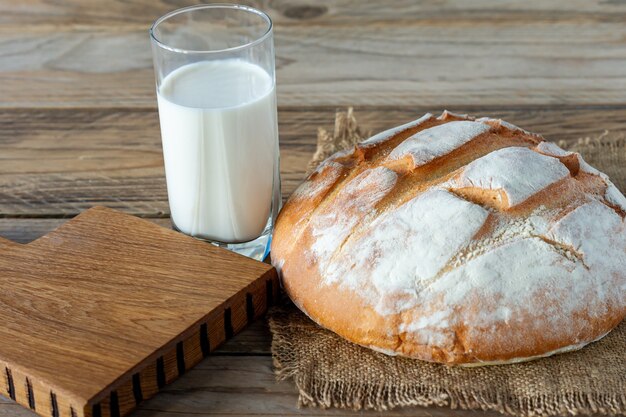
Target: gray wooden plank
[303,12]
[219,386]
[239,386]
[437,54]
[58,162]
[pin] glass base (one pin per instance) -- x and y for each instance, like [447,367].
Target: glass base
[257,249]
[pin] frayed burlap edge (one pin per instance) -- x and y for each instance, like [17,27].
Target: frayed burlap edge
[607,152]
[346,134]
[286,322]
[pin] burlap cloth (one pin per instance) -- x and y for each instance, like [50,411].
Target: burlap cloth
[331,372]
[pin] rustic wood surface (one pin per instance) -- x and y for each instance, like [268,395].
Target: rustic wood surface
[437,53]
[78,122]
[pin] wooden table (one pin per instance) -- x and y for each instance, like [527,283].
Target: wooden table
[78,121]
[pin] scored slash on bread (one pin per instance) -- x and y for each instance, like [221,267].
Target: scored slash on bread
[457,240]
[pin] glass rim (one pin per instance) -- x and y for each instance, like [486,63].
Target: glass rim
[231,6]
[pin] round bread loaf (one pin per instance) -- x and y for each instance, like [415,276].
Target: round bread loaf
[457,241]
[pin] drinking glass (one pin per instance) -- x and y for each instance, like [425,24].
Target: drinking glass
[215,82]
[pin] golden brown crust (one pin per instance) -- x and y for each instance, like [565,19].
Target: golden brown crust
[334,240]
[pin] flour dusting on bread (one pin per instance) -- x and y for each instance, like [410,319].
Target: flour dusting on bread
[326,175]
[612,195]
[405,248]
[500,170]
[438,141]
[357,198]
[384,136]
[490,246]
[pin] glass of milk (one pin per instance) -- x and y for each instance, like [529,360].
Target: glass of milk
[214,67]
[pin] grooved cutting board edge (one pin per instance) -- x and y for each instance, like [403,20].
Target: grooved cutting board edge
[116,306]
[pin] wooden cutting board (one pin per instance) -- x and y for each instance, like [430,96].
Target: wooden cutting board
[101,313]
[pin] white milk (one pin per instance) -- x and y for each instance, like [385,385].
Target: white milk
[220,145]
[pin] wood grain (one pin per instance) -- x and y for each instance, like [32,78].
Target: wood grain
[78,125]
[57,162]
[241,398]
[107,296]
[221,386]
[447,53]
[34,13]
